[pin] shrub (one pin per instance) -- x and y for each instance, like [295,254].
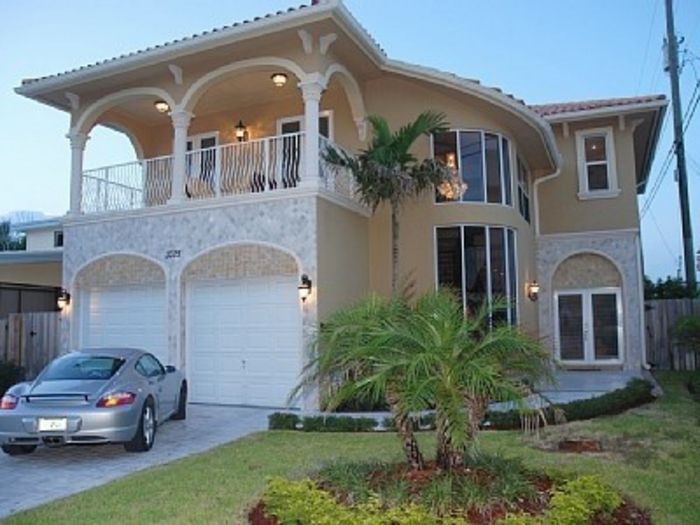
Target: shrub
[686,331]
[338,424]
[10,374]
[694,385]
[301,502]
[636,393]
[576,503]
[283,421]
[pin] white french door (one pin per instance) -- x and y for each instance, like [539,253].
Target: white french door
[589,325]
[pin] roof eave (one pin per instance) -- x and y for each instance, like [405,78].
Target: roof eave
[652,144]
[610,111]
[175,50]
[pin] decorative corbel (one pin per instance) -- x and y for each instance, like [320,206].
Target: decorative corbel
[307,41]
[176,72]
[326,41]
[73,99]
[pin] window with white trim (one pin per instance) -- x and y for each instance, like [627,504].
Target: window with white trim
[479,264]
[595,150]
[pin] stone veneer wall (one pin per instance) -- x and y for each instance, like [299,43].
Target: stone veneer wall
[237,261]
[177,236]
[620,251]
[119,270]
[585,270]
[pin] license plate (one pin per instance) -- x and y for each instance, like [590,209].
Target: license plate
[53,425]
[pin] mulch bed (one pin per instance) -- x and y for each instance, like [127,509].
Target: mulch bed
[627,514]
[580,446]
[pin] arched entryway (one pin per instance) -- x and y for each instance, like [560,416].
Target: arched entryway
[120,302]
[588,311]
[243,325]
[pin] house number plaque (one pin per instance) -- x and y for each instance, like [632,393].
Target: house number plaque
[172,254]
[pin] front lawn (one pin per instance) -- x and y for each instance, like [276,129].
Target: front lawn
[654,457]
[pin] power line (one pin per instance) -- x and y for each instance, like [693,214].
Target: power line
[646,48]
[663,237]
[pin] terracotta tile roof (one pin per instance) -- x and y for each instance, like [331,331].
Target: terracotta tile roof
[195,36]
[557,108]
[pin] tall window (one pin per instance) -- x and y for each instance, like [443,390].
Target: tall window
[480,165]
[523,190]
[595,150]
[478,263]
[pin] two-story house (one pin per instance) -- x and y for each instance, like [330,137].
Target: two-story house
[229,239]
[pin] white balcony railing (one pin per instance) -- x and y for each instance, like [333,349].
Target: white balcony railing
[257,166]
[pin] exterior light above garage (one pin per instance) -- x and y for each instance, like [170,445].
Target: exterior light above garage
[63,299]
[241,131]
[533,290]
[305,287]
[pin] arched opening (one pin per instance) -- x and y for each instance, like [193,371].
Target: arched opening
[589,314]
[243,325]
[120,302]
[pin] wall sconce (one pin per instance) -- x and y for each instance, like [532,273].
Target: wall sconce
[533,290]
[304,288]
[241,131]
[63,299]
[279,79]
[161,106]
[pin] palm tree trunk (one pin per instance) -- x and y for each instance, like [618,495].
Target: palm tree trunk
[394,248]
[447,457]
[404,428]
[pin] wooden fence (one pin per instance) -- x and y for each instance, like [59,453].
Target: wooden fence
[30,340]
[662,351]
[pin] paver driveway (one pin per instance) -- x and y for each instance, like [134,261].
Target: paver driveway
[48,474]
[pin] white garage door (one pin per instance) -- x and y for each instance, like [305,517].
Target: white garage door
[244,341]
[125,316]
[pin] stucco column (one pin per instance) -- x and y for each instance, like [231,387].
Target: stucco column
[77,149]
[311,90]
[181,123]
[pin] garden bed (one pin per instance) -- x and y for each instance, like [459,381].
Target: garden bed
[490,490]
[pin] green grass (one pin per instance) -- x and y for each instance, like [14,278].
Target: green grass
[656,461]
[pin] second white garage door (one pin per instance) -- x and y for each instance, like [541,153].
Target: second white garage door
[244,340]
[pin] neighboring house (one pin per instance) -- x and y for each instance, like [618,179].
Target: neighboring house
[197,250]
[30,279]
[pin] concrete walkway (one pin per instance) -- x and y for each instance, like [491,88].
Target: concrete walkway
[49,474]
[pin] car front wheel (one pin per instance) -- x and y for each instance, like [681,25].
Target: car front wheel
[146,432]
[18,450]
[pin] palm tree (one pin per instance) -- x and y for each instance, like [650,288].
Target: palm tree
[387,172]
[462,364]
[352,362]
[424,356]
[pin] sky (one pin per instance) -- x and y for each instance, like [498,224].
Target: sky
[541,51]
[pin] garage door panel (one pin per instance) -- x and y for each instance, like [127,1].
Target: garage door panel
[131,316]
[254,342]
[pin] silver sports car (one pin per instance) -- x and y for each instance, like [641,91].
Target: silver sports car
[106,395]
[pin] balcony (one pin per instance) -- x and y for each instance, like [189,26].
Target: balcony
[268,165]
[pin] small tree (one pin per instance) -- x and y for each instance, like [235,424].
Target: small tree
[387,171]
[424,356]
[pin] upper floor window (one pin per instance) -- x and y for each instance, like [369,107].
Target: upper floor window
[523,190]
[480,164]
[595,150]
[57,239]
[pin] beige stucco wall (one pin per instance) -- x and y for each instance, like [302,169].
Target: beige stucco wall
[45,274]
[343,257]
[41,240]
[561,210]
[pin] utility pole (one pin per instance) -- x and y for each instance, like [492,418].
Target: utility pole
[672,57]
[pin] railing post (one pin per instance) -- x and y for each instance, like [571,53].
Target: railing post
[77,148]
[106,189]
[311,89]
[181,123]
[266,163]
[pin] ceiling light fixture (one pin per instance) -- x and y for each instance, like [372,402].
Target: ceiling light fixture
[279,79]
[161,106]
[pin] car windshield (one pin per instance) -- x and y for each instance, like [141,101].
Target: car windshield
[78,367]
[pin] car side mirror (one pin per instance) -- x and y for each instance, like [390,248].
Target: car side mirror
[169,369]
